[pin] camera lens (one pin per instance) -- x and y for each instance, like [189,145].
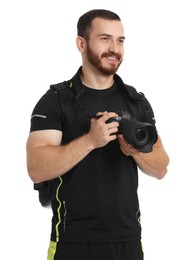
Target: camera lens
[141,135]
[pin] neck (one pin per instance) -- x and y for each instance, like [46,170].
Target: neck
[96,80]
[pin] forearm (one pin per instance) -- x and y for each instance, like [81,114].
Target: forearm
[51,161]
[154,163]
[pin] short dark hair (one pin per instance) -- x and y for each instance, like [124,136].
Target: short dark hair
[84,22]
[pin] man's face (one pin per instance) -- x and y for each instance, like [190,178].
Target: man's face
[105,45]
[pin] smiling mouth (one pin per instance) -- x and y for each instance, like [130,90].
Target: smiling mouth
[112,58]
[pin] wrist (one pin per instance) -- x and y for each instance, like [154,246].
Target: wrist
[88,142]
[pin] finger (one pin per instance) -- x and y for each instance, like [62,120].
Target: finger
[109,115]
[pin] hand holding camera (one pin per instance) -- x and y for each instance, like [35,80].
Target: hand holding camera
[142,136]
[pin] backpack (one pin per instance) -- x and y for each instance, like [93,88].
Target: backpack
[45,188]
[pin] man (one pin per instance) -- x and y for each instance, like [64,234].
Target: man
[95,205]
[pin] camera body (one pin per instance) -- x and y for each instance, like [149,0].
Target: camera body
[142,136]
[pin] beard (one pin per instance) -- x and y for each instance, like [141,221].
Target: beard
[95,60]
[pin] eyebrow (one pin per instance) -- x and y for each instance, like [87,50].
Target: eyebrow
[109,35]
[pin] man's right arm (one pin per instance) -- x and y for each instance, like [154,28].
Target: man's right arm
[48,159]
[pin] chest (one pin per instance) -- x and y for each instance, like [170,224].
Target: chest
[79,113]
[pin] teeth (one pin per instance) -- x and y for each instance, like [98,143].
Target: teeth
[112,58]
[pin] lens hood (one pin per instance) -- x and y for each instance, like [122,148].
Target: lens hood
[141,135]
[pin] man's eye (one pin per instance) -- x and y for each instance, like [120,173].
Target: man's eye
[105,38]
[121,41]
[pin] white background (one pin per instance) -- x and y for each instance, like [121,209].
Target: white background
[37,48]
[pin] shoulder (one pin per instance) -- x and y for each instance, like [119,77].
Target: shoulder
[130,90]
[47,105]
[46,113]
[63,88]
[58,86]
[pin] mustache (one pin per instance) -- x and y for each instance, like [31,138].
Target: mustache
[108,54]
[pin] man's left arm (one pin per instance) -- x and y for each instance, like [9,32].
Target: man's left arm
[154,163]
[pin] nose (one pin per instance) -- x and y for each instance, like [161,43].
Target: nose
[114,46]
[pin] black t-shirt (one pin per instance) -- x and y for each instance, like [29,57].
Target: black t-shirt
[97,200]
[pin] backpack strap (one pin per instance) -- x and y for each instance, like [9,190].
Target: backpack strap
[61,89]
[69,94]
[136,102]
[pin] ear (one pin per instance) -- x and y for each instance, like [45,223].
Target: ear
[81,44]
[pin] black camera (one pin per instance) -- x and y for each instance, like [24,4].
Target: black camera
[139,134]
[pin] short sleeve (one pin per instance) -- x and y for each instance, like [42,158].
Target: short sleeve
[47,113]
[148,115]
